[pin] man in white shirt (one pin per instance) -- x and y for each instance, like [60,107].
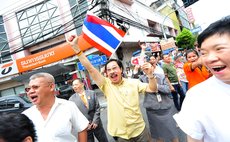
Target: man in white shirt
[204,116]
[54,119]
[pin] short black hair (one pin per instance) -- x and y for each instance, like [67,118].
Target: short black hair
[119,63]
[220,27]
[16,127]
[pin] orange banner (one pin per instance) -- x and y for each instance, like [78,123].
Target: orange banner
[49,56]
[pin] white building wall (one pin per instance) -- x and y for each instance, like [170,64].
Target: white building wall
[7,85]
[138,12]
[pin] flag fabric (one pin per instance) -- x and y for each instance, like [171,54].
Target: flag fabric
[135,60]
[101,34]
[139,60]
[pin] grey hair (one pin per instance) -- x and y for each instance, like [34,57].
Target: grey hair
[48,76]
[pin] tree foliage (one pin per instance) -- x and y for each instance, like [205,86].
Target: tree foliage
[185,39]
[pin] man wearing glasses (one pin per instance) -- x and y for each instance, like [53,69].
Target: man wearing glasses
[55,119]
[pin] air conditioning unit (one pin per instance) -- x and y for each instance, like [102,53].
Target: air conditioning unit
[129,2]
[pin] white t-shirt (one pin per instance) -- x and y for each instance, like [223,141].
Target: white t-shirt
[205,111]
[62,124]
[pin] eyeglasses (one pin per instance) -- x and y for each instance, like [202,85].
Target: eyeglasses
[35,87]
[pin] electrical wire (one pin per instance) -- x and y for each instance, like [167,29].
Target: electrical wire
[69,23]
[66,27]
[137,17]
[38,27]
[23,48]
[35,28]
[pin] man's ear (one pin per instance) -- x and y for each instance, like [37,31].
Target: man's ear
[28,139]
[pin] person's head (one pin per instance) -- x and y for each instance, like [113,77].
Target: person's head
[78,85]
[152,60]
[127,69]
[16,128]
[41,89]
[214,43]
[158,56]
[114,70]
[166,58]
[177,59]
[191,55]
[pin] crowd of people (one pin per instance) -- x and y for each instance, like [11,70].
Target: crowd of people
[202,113]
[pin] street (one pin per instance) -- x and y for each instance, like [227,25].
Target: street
[102,101]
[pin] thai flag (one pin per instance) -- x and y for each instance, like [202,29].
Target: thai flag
[101,34]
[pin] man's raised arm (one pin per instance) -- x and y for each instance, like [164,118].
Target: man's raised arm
[94,73]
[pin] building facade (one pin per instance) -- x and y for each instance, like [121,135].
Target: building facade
[32,27]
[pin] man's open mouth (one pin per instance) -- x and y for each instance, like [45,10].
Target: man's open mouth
[113,75]
[219,68]
[33,97]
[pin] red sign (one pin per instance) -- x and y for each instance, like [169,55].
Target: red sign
[190,15]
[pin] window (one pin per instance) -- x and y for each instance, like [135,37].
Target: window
[39,22]
[19,90]
[4,47]
[7,92]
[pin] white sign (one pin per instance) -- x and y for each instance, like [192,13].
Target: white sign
[7,69]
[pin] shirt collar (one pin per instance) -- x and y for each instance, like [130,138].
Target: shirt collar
[120,83]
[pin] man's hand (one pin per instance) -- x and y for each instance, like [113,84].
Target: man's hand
[147,68]
[92,126]
[190,139]
[136,68]
[73,41]
[70,39]
[172,88]
[89,126]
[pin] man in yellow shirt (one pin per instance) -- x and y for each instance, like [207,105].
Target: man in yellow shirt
[125,121]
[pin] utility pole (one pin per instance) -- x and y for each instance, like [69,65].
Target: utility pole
[162,25]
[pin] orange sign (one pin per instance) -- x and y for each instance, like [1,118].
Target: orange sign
[40,59]
[49,56]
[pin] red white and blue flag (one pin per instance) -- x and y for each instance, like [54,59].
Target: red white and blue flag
[101,34]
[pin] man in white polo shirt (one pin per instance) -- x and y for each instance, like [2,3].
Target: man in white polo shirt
[56,120]
[204,116]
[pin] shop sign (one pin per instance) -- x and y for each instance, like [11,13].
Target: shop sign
[7,69]
[167,44]
[95,60]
